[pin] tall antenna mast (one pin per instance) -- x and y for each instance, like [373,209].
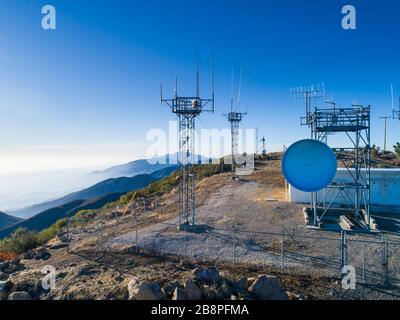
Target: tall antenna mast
[235,118]
[198,79]
[188,109]
[240,88]
[264,146]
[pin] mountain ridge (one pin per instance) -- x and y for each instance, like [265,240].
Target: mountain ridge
[7,220]
[97,196]
[108,186]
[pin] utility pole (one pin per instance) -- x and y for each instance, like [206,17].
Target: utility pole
[385,134]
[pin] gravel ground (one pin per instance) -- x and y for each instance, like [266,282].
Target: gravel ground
[252,207]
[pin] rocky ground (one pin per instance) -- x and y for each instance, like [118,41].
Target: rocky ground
[143,256]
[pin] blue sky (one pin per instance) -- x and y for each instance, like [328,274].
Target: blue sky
[87,93]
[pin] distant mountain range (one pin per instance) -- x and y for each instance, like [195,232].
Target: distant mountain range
[118,185]
[144,166]
[94,197]
[47,218]
[7,220]
[122,184]
[133,168]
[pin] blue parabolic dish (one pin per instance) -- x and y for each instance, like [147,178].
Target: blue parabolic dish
[309,165]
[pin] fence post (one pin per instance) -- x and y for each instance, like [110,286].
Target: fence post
[363,274]
[67,234]
[234,246]
[282,250]
[136,237]
[343,251]
[385,260]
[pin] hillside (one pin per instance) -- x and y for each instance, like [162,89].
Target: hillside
[115,185]
[7,220]
[91,198]
[48,217]
[248,224]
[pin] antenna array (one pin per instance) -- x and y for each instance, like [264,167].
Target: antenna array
[235,118]
[308,94]
[187,109]
[354,125]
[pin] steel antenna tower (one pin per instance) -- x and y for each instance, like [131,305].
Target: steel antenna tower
[353,124]
[264,146]
[395,113]
[187,110]
[235,118]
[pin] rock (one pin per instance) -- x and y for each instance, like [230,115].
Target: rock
[3,276]
[292,296]
[62,238]
[170,288]
[38,288]
[41,254]
[179,294]
[58,246]
[241,284]
[192,291]
[5,287]
[267,288]
[250,281]
[29,255]
[86,270]
[224,291]
[209,293]
[19,296]
[301,296]
[207,274]
[12,268]
[4,265]
[144,291]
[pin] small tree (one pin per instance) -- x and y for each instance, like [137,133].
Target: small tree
[397,149]
[375,150]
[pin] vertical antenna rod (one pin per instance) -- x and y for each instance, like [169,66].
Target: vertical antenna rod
[188,108]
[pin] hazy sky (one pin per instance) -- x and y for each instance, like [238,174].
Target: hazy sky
[86,94]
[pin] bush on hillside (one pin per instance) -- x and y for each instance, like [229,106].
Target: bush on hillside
[52,231]
[397,149]
[4,256]
[19,242]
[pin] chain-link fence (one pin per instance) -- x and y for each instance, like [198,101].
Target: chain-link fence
[374,256]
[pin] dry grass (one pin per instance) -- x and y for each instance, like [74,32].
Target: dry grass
[4,256]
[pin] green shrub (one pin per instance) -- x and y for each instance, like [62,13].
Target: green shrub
[375,151]
[51,232]
[20,241]
[397,149]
